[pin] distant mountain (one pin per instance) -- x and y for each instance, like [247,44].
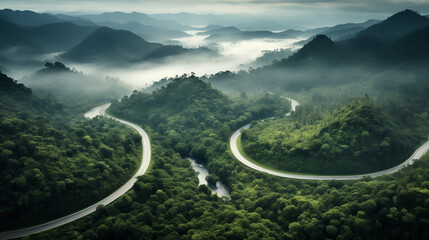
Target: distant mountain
[370,50]
[109,45]
[246,21]
[396,26]
[14,40]
[147,32]
[54,37]
[348,30]
[212,27]
[106,45]
[338,32]
[235,34]
[123,18]
[321,48]
[190,19]
[58,37]
[223,30]
[292,33]
[27,18]
[76,20]
[172,42]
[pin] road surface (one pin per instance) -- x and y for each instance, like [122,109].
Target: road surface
[112,197]
[234,149]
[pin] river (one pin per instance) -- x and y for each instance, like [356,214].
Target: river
[220,189]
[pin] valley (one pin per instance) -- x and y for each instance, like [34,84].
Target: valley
[214,125]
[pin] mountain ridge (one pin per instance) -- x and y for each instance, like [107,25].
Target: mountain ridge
[396,26]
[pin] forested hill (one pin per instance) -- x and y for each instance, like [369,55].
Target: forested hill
[111,46]
[54,162]
[106,44]
[396,26]
[374,45]
[9,86]
[187,109]
[357,138]
[80,90]
[179,95]
[15,96]
[363,64]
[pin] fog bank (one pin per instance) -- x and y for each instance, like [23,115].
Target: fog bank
[233,56]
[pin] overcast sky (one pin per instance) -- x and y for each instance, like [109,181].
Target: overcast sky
[313,12]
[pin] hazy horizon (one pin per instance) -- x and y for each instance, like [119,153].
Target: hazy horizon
[293,13]
[234,55]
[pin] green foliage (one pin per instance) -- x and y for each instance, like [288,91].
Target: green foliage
[188,116]
[167,203]
[392,207]
[196,119]
[54,163]
[356,138]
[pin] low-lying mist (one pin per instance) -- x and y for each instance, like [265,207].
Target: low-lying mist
[233,56]
[70,85]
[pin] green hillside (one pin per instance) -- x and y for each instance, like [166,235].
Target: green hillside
[356,138]
[53,162]
[188,109]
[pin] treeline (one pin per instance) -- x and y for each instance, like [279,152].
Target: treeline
[53,162]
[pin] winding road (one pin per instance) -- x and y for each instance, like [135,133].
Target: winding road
[234,149]
[146,157]
[101,110]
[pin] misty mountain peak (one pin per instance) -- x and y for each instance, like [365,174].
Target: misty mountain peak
[109,35]
[407,17]
[106,44]
[319,42]
[27,18]
[407,14]
[320,47]
[396,26]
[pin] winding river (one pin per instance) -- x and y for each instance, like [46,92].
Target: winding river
[234,149]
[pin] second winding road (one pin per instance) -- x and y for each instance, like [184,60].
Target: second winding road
[237,154]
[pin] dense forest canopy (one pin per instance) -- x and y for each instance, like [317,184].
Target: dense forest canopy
[167,202]
[54,161]
[50,157]
[188,109]
[354,139]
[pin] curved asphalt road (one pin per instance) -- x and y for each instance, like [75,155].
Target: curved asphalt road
[234,149]
[112,197]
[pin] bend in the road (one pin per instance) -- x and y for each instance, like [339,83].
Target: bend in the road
[101,110]
[234,149]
